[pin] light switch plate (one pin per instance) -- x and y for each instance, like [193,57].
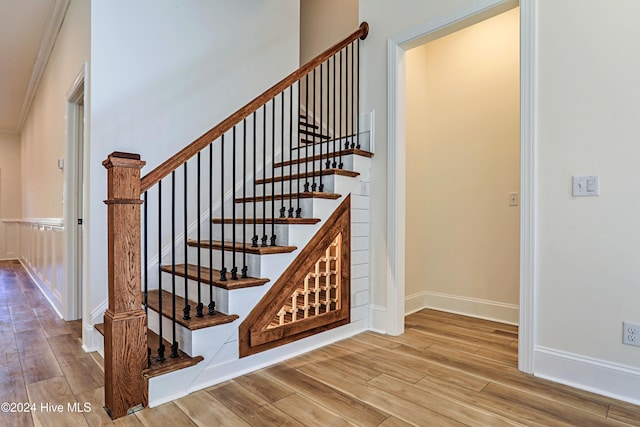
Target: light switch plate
[586,186]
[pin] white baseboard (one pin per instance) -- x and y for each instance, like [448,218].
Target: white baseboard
[597,376]
[378,318]
[56,304]
[482,309]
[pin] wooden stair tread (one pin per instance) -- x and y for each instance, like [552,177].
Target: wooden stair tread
[323,172]
[302,195]
[260,250]
[294,221]
[346,152]
[193,324]
[191,271]
[169,364]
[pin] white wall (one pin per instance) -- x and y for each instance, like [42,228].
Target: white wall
[164,72]
[386,19]
[588,262]
[43,138]
[587,265]
[10,195]
[323,23]
[463,159]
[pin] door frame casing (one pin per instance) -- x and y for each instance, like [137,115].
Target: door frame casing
[468,14]
[76,96]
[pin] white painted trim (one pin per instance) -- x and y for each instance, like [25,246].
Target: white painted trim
[465,15]
[45,222]
[72,295]
[474,307]
[40,285]
[528,197]
[597,376]
[49,36]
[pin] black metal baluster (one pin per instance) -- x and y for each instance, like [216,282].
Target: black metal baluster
[321,187]
[314,184]
[306,145]
[244,199]
[200,306]
[353,144]
[298,155]
[174,346]
[234,269]
[223,268]
[273,172]
[212,303]
[290,152]
[254,239]
[264,175]
[145,254]
[283,209]
[146,268]
[358,101]
[340,165]
[335,129]
[161,348]
[346,96]
[187,308]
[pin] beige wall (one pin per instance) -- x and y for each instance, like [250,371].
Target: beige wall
[463,137]
[43,138]
[586,261]
[323,23]
[10,205]
[10,197]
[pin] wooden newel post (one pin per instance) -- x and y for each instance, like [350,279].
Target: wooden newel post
[125,322]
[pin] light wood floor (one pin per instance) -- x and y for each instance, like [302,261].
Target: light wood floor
[445,370]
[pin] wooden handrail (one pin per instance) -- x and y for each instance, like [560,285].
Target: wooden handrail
[200,143]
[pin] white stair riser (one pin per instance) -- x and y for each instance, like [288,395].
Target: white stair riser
[253,261]
[311,208]
[350,162]
[193,343]
[332,184]
[285,233]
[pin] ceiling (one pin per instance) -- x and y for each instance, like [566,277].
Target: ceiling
[28,29]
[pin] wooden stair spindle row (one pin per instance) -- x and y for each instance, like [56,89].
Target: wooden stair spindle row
[275,167]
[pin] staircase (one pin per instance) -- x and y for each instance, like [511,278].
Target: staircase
[245,239]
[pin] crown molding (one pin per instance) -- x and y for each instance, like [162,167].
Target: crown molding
[49,36]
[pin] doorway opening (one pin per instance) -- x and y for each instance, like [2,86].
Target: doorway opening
[463,171]
[462,17]
[74,172]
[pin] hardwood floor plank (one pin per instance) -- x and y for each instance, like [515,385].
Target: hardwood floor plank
[81,374]
[507,375]
[206,410]
[456,410]
[250,407]
[167,414]
[394,422]
[309,413]
[355,410]
[376,340]
[264,386]
[432,370]
[52,398]
[625,413]
[558,411]
[380,399]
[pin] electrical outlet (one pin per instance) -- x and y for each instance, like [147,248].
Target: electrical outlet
[631,333]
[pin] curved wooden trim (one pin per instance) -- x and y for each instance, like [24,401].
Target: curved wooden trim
[199,144]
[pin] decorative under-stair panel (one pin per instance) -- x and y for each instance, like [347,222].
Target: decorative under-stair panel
[311,296]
